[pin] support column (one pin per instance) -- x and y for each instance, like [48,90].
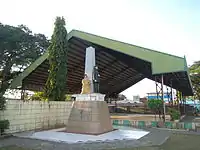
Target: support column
[178,99]
[171,94]
[162,83]
[156,87]
[184,103]
[168,95]
[22,92]
[181,99]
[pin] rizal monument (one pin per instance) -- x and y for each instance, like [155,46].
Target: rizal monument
[89,114]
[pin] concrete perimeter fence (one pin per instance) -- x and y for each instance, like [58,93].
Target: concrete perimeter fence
[35,115]
[191,126]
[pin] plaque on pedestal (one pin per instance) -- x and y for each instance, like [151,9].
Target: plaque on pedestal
[89,97]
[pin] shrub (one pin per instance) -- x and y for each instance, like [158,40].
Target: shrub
[68,97]
[2,102]
[38,96]
[4,124]
[174,114]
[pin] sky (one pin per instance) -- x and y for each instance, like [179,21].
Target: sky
[171,26]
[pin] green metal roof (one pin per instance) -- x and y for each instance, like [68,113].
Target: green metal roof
[172,63]
[161,63]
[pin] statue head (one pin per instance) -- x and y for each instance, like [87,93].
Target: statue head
[85,75]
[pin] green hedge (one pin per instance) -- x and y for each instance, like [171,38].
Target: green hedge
[4,124]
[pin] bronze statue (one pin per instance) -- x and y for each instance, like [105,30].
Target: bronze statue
[86,89]
[96,79]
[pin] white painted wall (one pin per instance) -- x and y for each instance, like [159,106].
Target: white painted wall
[35,115]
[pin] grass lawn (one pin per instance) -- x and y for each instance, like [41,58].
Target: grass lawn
[175,142]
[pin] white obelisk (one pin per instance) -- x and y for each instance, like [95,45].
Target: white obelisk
[89,64]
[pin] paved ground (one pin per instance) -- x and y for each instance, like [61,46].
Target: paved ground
[191,119]
[157,139]
[153,138]
[175,142]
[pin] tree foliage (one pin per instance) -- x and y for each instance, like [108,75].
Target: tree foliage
[174,114]
[195,78]
[56,82]
[155,105]
[121,97]
[19,47]
[40,96]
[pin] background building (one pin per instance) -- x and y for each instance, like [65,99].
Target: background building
[167,96]
[136,98]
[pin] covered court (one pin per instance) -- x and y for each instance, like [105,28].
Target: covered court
[121,65]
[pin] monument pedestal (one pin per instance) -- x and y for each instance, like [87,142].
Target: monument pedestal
[89,115]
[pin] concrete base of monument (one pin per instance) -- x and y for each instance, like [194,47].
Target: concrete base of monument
[87,133]
[56,135]
[89,117]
